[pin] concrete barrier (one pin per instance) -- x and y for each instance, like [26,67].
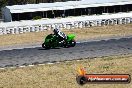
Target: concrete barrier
[66,25]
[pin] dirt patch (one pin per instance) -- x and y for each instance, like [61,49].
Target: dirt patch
[81,34]
[62,75]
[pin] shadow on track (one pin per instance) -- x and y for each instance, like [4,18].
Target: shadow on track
[48,49]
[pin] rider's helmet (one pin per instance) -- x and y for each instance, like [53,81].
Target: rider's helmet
[56,30]
[59,33]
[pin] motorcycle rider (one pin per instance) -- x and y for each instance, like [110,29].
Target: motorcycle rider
[60,34]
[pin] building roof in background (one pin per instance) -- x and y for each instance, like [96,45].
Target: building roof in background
[64,20]
[65,5]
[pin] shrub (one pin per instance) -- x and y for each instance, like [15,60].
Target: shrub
[37,17]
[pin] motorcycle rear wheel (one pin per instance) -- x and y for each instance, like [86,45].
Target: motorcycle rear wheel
[46,46]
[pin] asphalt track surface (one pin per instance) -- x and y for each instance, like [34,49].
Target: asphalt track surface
[38,55]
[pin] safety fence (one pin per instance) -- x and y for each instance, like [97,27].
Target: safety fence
[66,25]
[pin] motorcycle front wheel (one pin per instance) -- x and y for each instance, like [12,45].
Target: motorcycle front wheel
[72,43]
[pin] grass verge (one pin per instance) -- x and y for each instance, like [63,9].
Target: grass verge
[81,34]
[62,75]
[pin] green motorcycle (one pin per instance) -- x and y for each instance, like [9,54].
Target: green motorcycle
[53,41]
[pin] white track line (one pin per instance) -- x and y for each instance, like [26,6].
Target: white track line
[23,66]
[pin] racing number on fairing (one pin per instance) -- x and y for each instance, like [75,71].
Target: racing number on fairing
[61,34]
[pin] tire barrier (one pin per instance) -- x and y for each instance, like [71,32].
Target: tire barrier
[67,25]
